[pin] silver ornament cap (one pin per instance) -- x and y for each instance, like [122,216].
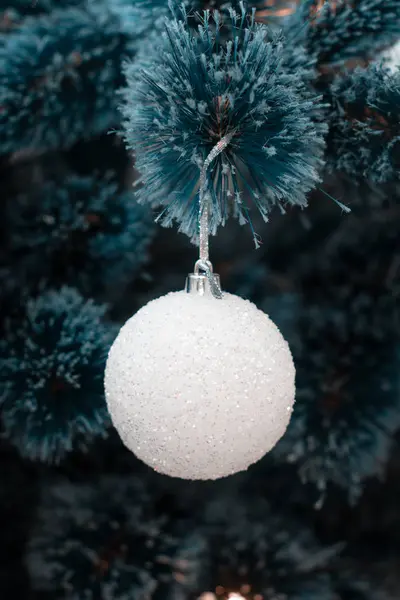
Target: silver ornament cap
[199,284]
[206,283]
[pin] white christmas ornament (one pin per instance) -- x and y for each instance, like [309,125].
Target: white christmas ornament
[200,387]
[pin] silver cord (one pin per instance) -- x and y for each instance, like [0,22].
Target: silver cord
[204,216]
[206,266]
[204,197]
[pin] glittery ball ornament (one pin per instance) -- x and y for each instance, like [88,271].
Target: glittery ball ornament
[199,387]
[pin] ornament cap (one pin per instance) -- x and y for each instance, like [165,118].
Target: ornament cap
[198,283]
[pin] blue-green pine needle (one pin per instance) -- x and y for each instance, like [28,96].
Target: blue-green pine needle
[194,89]
[52,365]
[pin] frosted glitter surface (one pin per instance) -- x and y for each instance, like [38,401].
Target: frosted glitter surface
[200,388]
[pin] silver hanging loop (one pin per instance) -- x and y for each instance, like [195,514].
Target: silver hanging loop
[206,282]
[204,196]
[203,281]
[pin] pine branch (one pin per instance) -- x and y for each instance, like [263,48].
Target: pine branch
[137,18]
[114,537]
[58,76]
[194,89]
[51,374]
[13,12]
[35,7]
[347,353]
[336,31]
[364,138]
[270,12]
[262,553]
[79,230]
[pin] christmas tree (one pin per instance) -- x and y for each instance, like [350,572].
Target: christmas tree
[108,112]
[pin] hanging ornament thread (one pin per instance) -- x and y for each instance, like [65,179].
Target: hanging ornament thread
[204,225]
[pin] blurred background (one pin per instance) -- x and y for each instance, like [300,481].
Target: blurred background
[81,518]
